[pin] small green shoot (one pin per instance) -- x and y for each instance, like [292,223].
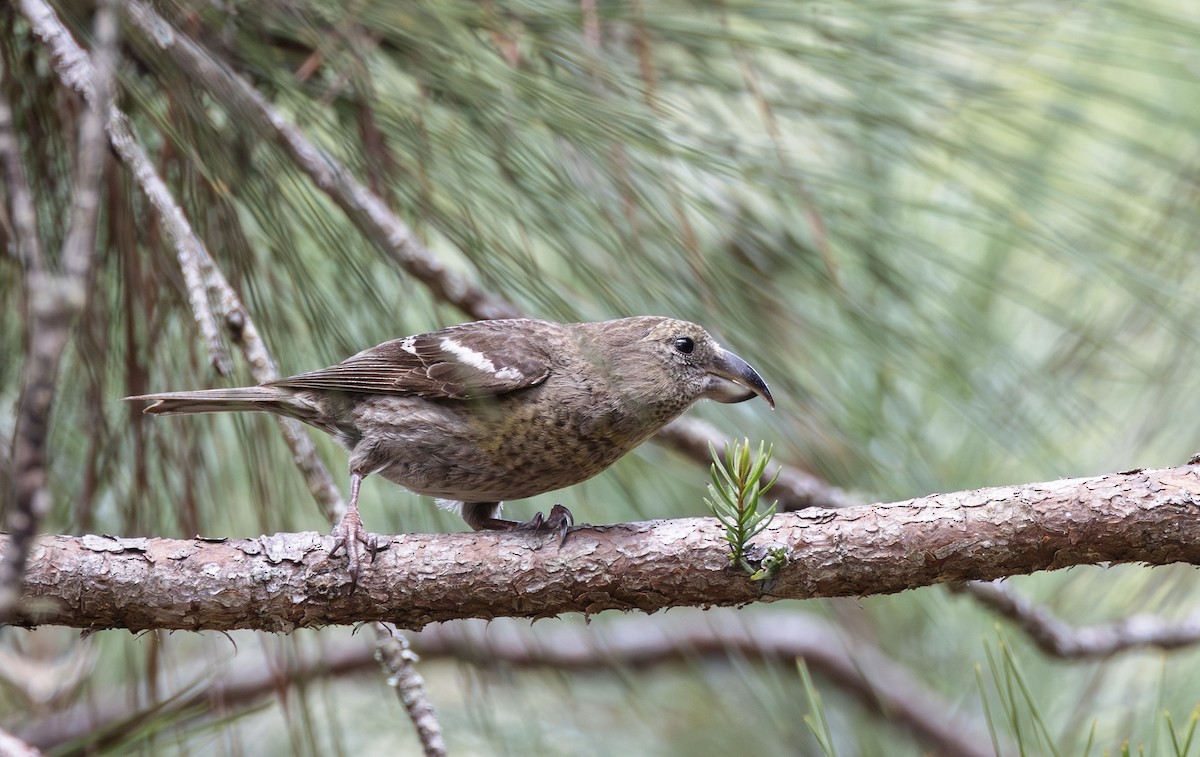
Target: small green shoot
[771,564]
[734,497]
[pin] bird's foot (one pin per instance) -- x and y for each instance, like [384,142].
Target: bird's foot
[350,534]
[560,519]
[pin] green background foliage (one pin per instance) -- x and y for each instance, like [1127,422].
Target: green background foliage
[958,240]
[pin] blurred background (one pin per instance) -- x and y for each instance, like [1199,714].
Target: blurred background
[958,239]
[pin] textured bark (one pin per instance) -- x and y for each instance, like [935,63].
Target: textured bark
[287,581]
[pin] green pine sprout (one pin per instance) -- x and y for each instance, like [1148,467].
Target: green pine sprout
[771,564]
[734,496]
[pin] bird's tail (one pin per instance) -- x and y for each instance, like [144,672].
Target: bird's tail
[263,399]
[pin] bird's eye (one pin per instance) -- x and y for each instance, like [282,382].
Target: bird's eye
[685,345]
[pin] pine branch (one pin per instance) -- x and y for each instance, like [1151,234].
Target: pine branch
[287,581]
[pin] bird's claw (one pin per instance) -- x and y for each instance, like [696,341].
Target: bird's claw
[560,520]
[350,535]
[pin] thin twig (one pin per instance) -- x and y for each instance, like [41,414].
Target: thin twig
[102,722]
[30,500]
[399,663]
[53,301]
[1061,639]
[881,684]
[79,245]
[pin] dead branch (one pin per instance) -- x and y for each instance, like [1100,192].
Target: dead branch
[394,655]
[1061,639]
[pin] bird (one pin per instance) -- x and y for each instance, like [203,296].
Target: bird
[480,413]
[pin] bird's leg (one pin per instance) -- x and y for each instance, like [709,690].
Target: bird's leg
[349,533]
[483,516]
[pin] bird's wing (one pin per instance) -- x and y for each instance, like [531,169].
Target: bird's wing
[480,359]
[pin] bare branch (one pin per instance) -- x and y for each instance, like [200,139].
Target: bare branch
[287,581]
[879,683]
[399,663]
[30,500]
[1061,639]
[110,717]
[80,242]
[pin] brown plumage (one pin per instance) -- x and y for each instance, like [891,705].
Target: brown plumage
[483,412]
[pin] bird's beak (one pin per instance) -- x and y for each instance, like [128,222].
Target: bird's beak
[731,379]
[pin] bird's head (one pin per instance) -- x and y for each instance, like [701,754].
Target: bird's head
[670,363]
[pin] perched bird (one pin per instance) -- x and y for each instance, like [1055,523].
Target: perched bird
[488,411]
